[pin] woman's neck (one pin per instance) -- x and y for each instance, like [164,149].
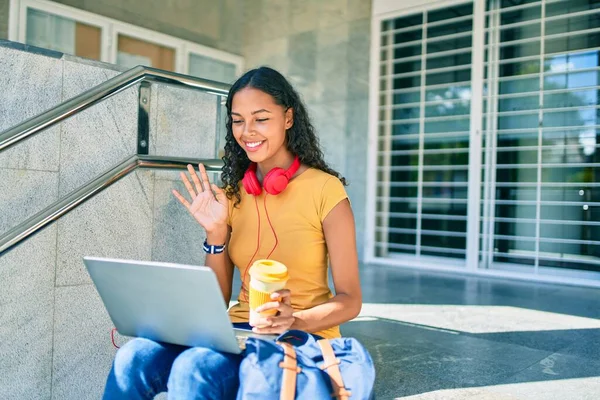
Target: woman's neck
[282,159]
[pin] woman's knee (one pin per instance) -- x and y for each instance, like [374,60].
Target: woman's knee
[202,362]
[136,355]
[140,370]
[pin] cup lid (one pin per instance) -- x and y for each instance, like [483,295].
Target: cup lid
[268,271]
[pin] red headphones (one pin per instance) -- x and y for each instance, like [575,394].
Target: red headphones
[274,182]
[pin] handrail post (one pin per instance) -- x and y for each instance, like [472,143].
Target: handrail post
[143,128]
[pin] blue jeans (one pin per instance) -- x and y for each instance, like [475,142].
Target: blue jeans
[143,368]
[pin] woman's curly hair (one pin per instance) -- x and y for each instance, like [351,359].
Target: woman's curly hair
[301,138]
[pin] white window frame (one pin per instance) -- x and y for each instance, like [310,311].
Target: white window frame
[148,36]
[201,50]
[389,9]
[18,21]
[110,29]
[384,10]
[535,272]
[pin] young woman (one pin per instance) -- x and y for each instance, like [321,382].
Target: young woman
[281,201]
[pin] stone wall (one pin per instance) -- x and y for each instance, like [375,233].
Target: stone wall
[54,330]
[4,18]
[323,47]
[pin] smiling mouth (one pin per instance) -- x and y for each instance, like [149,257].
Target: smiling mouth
[252,146]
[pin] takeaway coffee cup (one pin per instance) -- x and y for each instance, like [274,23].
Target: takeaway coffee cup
[266,277]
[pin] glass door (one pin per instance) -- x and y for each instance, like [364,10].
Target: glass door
[423,135]
[541,208]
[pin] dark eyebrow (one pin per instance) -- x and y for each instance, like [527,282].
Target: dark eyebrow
[261,110]
[253,112]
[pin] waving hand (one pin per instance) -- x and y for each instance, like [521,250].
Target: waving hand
[208,203]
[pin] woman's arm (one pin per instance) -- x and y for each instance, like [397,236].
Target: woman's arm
[220,263]
[340,237]
[208,205]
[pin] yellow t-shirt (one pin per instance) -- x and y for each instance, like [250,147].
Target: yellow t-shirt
[297,216]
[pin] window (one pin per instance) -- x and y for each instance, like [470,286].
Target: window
[209,68]
[132,52]
[54,32]
[423,134]
[540,136]
[542,206]
[72,31]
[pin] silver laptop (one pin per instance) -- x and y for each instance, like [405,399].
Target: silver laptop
[171,303]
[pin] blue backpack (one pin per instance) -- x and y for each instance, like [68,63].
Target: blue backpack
[297,366]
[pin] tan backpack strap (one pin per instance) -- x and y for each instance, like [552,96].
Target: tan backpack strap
[331,366]
[290,370]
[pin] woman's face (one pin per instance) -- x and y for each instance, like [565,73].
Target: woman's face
[259,124]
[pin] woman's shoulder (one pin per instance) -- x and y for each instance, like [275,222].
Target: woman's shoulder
[324,184]
[317,175]
[328,190]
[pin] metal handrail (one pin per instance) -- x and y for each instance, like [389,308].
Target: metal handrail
[51,117]
[79,196]
[36,124]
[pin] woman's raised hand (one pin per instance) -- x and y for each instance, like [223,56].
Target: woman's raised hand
[208,202]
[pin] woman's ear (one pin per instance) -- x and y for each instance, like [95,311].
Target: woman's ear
[289,118]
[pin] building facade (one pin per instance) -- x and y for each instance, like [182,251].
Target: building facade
[468,130]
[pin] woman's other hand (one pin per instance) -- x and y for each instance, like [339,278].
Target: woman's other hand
[284,319]
[208,203]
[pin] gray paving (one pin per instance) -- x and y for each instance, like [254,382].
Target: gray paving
[443,336]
